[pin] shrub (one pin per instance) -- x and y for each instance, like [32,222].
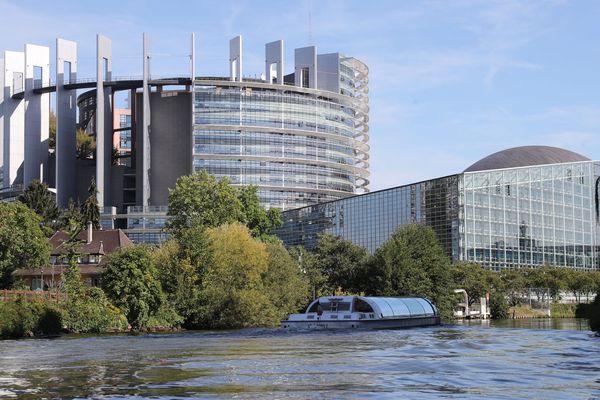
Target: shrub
[92,313]
[25,318]
[498,305]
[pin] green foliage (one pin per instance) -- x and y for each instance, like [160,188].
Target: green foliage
[474,279]
[20,318]
[52,131]
[22,241]
[513,285]
[203,200]
[255,217]
[131,282]
[86,145]
[412,263]
[71,218]
[283,281]
[90,211]
[342,263]
[91,312]
[38,197]
[165,318]
[559,310]
[232,293]
[317,281]
[498,305]
[179,277]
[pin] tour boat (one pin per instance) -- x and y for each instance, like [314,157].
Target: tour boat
[347,312]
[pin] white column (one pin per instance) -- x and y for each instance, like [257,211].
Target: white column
[37,114]
[14,118]
[104,127]
[1,122]
[66,122]
[274,56]
[146,124]
[235,59]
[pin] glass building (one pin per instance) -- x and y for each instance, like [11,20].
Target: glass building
[299,145]
[516,208]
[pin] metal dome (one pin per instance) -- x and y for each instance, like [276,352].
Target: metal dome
[525,156]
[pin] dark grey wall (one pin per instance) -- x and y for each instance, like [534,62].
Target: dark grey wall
[170,143]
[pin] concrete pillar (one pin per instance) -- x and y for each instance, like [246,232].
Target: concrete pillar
[305,60]
[104,127]
[146,124]
[192,99]
[235,59]
[66,122]
[14,118]
[274,62]
[37,113]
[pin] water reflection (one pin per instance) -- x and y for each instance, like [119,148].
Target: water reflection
[467,360]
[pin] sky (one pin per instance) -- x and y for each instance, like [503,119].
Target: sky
[450,82]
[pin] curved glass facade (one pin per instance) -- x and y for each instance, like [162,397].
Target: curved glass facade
[531,216]
[300,146]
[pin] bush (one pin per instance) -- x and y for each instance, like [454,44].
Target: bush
[92,313]
[498,305]
[21,318]
[558,310]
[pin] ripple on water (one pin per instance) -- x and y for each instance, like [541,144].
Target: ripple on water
[461,361]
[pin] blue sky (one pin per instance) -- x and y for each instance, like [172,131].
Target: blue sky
[450,81]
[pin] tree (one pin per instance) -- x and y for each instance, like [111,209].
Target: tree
[307,261]
[71,217]
[38,197]
[86,145]
[178,277]
[473,278]
[232,294]
[342,262]
[202,199]
[581,283]
[52,131]
[131,282]
[513,285]
[90,211]
[259,221]
[22,241]
[284,283]
[412,263]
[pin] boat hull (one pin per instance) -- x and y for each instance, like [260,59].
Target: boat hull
[390,323]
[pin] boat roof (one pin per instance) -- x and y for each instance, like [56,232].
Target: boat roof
[387,307]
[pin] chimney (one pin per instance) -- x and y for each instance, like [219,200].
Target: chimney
[89,233]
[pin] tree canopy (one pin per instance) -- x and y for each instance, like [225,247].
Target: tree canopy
[131,282]
[38,197]
[90,211]
[22,241]
[413,263]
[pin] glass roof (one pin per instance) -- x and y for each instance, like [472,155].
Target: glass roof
[400,306]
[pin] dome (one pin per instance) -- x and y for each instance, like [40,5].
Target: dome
[525,156]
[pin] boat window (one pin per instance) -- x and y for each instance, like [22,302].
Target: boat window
[333,306]
[362,306]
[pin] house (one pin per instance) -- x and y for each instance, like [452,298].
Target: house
[94,246]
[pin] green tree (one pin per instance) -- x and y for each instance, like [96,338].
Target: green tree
[22,241]
[233,294]
[412,263]
[342,262]
[131,282]
[202,199]
[474,279]
[284,283]
[259,221]
[86,145]
[71,217]
[38,197]
[513,285]
[90,211]
[52,131]
[581,284]
[317,281]
[178,277]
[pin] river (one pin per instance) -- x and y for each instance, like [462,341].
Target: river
[537,359]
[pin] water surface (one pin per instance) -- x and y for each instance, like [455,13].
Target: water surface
[539,359]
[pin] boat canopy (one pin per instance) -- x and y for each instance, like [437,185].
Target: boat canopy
[382,307]
[389,307]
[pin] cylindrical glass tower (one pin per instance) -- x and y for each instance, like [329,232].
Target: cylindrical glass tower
[300,146]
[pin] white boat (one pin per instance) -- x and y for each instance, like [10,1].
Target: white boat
[348,312]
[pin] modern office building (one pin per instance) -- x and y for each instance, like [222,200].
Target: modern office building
[301,137]
[520,207]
